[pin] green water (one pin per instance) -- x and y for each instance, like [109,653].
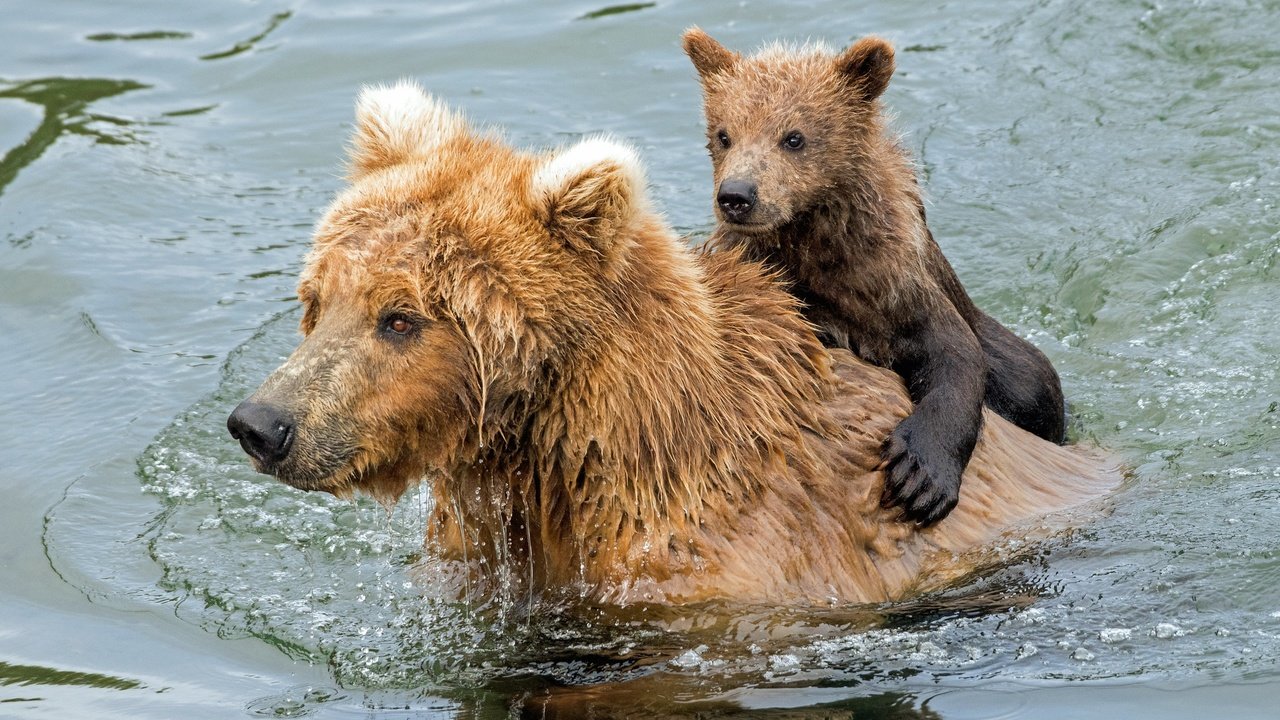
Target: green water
[1103,175]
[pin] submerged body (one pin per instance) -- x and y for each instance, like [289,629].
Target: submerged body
[809,182]
[594,403]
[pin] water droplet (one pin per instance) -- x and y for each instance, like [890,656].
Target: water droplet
[687,660]
[784,663]
[1115,635]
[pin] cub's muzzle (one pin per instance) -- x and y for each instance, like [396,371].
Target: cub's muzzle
[736,199]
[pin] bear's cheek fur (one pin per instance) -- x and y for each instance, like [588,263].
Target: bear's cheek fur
[791,184]
[371,413]
[415,404]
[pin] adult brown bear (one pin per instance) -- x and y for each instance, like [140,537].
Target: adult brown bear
[594,404]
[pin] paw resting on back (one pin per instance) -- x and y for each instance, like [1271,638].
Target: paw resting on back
[922,476]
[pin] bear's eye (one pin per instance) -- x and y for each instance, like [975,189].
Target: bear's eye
[722,137]
[793,141]
[397,325]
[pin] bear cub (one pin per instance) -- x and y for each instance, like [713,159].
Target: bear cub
[809,181]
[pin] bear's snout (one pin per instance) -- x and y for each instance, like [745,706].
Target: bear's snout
[265,432]
[736,198]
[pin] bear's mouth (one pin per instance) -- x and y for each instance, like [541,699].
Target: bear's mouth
[319,462]
[314,479]
[384,479]
[750,227]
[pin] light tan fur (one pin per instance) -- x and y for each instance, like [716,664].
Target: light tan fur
[598,408]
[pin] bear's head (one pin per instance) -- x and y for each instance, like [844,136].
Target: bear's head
[445,289]
[787,126]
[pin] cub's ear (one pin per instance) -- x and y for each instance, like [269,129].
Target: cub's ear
[396,123]
[587,194]
[867,65]
[709,57]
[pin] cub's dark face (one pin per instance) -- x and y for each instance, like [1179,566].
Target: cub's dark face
[785,126]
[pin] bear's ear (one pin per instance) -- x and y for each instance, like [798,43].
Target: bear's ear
[709,57]
[395,123]
[587,194]
[867,65]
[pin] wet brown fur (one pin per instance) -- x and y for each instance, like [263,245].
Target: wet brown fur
[597,407]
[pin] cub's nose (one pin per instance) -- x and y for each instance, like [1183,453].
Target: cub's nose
[265,432]
[736,199]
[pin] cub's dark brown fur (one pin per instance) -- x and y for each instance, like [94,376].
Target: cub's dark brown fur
[809,181]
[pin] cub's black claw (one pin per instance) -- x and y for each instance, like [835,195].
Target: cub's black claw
[937,505]
[919,477]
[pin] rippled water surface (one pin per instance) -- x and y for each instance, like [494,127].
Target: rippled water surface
[1103,175]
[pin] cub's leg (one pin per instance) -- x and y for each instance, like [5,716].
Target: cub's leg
[1022,385]
[945,371]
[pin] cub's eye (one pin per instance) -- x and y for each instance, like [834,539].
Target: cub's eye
[397,326]
[793,141]
[722,137]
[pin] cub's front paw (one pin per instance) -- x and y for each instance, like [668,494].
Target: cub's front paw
[921,476]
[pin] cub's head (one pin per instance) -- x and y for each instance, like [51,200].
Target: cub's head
[445,289]
[786,126]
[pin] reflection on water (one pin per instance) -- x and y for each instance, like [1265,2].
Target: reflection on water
[150,35]
[11,674]
[65,102]
[637,701]
[615,10]
[249,44]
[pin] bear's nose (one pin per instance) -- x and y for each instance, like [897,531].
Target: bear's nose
[265,432]
[736,199]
